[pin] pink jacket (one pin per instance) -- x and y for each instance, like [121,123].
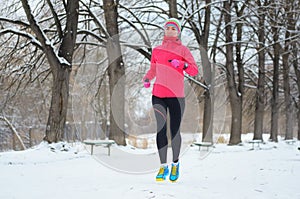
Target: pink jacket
[170,80]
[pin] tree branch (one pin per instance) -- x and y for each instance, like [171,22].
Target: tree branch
[56,19]
[12,128]
[23,34]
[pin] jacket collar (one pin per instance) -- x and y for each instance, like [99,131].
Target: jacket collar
[167,40]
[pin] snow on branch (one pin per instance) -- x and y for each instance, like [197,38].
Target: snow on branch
[16,22]
[62,60]
[23,34]
[43,37]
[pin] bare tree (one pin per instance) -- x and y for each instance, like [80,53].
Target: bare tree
[200,26]
[235,95]
[260,91]
[116,71]
[274,18]
[60,63]
[289,21]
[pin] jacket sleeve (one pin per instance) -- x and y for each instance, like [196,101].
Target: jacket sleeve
[192,68]
[152,71]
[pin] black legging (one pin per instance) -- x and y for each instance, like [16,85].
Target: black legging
[176,108]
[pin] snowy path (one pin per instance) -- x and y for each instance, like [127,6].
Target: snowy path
[226,173]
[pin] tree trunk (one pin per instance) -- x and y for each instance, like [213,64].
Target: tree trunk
[116,73]
[260,91]
[286,78]
[208,112]
[59,105]
[287,99]
[297,71]
[173,8]
[234,95]
[208,115]
[275,94]
[239,62]
[260,94]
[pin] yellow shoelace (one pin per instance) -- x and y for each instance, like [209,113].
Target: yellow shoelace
[174,168]
[161,171]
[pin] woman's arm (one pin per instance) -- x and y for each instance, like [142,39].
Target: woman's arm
[152,71]
[192,68]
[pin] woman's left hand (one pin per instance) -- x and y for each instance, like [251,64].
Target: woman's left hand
[175,63]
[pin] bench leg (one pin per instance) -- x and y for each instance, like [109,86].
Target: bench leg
[92,148]
[108,146]
[258,145]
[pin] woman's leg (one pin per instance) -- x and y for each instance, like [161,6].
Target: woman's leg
[160,111]
[176,109]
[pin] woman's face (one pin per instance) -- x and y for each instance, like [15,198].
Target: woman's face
[171,31]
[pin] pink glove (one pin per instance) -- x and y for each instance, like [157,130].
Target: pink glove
[175,63]
[178,64]
[146,83]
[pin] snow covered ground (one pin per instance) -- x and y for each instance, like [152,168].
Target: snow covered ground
[223,172]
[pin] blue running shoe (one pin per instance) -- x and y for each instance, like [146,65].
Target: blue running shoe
[174,172]
[162,173]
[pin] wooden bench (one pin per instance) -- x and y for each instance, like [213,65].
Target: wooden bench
[106,143]
[203,144]
[255,142]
